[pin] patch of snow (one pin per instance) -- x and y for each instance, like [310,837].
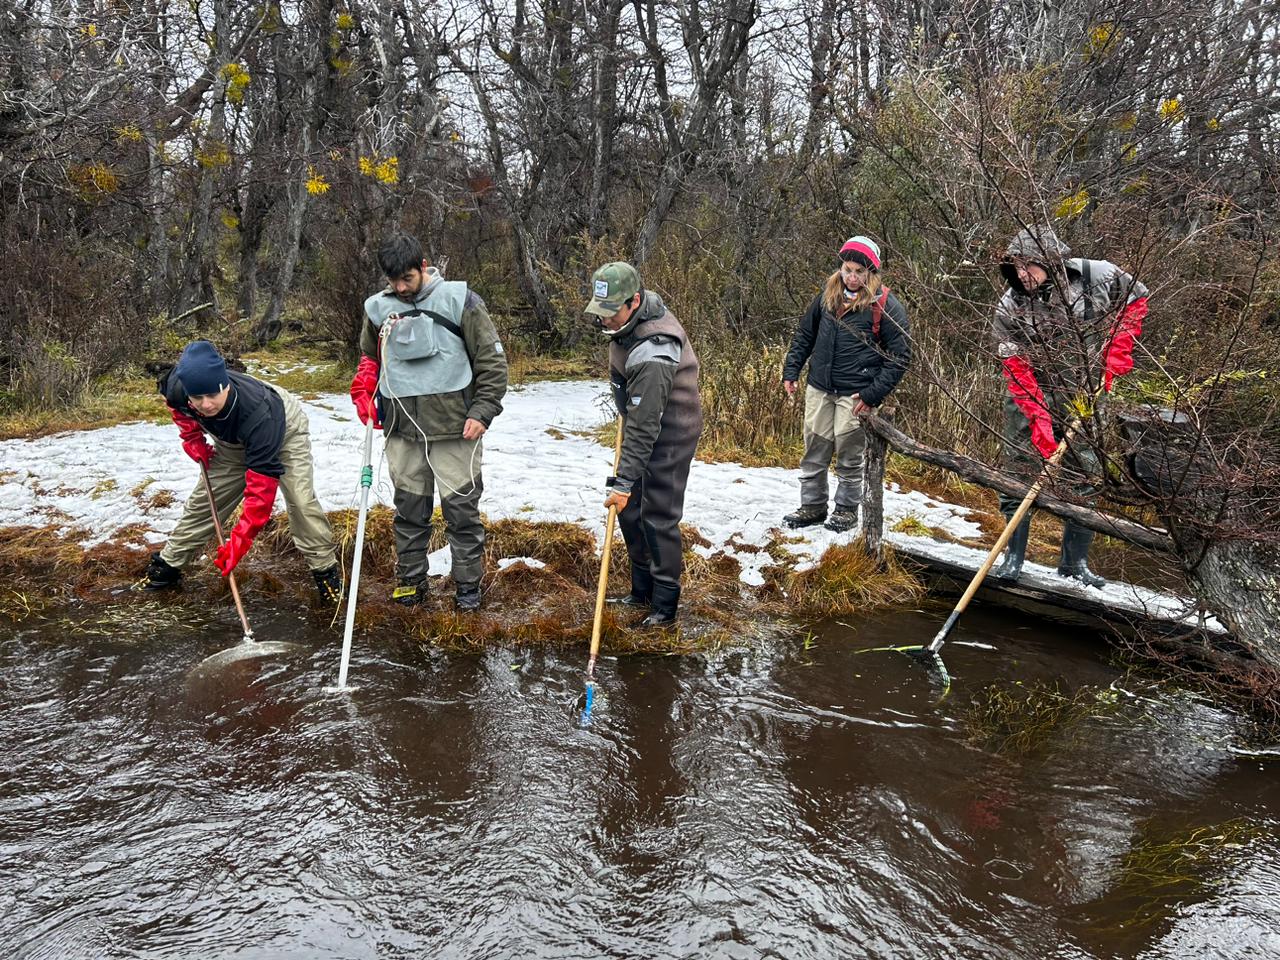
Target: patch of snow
[532,562]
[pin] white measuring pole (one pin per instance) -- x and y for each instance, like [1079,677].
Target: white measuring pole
[366,481]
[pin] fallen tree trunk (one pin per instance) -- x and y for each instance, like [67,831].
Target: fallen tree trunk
[979,473]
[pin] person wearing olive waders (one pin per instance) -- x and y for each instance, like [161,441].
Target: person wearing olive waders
[433,374]
[653,373]
[856,341]
[261,444]
[1060,316]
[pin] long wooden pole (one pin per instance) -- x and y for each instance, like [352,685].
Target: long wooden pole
[1047,471]
[231,577]
[603,584]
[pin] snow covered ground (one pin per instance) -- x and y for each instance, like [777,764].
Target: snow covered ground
[535,467]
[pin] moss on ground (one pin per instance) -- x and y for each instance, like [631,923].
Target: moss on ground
[547,602]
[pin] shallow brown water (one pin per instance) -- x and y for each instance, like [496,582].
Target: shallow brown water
[791,801]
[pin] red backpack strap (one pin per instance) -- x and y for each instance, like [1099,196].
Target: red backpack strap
[877,308]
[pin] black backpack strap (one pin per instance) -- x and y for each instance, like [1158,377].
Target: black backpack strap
[444,322]
[1086,272]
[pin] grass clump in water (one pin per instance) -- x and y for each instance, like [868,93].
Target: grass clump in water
[1158,872]
[1025,718]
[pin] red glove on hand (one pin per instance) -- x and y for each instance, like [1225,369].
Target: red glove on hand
[1118,358]
[1026,393]
[193,441]
[259,497]
[364,388]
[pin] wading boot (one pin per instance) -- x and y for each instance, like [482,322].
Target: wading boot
[409,594]
[1015,551]
[328,584]
[1075,556]
[806,516]
[161,576]
[467,597]
[641,591]
[842,519]
[662,607]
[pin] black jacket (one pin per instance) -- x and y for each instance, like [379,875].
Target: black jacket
[845,357]
[253,418]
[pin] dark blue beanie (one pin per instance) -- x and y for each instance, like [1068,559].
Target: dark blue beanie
[201,369]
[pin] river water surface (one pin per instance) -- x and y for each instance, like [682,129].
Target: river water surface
[795,799]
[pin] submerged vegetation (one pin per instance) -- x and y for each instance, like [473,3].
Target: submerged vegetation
[1018,719]
[1166,866]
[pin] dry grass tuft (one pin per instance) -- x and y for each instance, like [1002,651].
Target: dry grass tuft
[845,580]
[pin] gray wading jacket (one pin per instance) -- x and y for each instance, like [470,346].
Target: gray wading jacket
[653,371]
[441,416]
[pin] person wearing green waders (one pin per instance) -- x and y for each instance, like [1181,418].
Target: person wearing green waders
[855,338]
[261,444]
[653,373]
[1064,329]
[433,374]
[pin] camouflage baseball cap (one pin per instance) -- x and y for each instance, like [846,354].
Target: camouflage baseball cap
[612,286]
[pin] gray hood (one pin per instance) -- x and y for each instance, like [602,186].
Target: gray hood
[1037,244]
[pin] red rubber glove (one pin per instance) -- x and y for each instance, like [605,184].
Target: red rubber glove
[193,441]
[1118,358]
[364,388]
[619,500]
[1026,393]
[259,497]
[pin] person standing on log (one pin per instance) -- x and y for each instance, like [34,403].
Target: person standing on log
[261,444]
[1058,318]
[856,340]
[653,373]
[432,371]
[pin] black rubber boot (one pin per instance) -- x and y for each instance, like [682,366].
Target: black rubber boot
[1075,556]
[806,516]
[467,597]
[328,584]
[1015,551]
[161,576]
[409,594]
[662,607]
[641,590]
[842,519]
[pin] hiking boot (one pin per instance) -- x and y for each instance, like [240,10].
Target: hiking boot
[806,516]
[1075,555]
[662,606]
[409,594]
[329,584]
[162,576]
[467,597]
[842,519]
[1015,551]
[641,590]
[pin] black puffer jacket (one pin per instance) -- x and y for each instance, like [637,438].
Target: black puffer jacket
[845,357]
